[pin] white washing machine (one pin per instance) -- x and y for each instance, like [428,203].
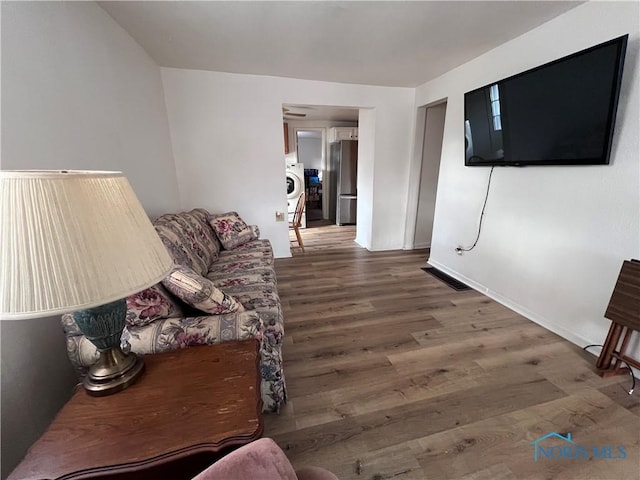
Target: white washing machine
[295,187]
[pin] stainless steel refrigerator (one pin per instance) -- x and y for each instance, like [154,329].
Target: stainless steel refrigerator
[343,195]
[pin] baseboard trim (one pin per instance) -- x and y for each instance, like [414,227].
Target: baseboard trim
[516,307]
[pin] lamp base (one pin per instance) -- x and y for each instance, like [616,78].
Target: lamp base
[114,371]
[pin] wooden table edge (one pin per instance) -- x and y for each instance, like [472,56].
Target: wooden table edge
[181,453]
[166,457]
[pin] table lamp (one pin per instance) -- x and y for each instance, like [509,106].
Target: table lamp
[78,241]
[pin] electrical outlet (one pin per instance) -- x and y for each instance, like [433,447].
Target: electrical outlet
[279,216]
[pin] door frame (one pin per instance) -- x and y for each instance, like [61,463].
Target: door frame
[323,131]
[415,173]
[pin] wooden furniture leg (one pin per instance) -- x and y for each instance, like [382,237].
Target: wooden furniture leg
[610,344]
[299,237]
[614,360]
[297,220]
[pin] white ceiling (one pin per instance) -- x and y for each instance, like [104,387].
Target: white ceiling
[396,43]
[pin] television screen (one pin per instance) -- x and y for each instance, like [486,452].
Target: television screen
[561,113]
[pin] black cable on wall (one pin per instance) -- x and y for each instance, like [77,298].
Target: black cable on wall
[459,250]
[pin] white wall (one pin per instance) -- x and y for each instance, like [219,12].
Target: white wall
[366,149]
[227,139]
[310,151]
[553,238]
[77,92]
[37,379]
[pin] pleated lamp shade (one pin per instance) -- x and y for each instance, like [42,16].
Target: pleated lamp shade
[71,240]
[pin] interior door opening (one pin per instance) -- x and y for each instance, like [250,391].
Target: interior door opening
[429,171]
[310,150]
[310,131]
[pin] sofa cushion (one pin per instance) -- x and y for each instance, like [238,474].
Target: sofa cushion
[200,292]
[180,243]
[231,230]
[240,255]
[173,333]
[257,245]
[189,238]
[151,304]
[256,277]
[232,268]
[209,236]
[167,334]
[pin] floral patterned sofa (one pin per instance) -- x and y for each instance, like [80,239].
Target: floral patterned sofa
[223,288]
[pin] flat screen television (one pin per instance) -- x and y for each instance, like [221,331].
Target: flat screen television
[560,113]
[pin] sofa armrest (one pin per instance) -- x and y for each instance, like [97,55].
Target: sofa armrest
[168,334]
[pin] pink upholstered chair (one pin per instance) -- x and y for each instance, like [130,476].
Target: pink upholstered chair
[263,460]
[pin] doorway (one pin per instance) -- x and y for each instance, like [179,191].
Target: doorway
[310,148]
[434,117]
[303,125]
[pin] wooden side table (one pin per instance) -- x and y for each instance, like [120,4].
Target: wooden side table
[188,406]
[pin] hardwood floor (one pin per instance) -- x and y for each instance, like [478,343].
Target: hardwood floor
[391,374]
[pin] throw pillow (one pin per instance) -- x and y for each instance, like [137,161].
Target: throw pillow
[151,304]
[231,230]
[200,292]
